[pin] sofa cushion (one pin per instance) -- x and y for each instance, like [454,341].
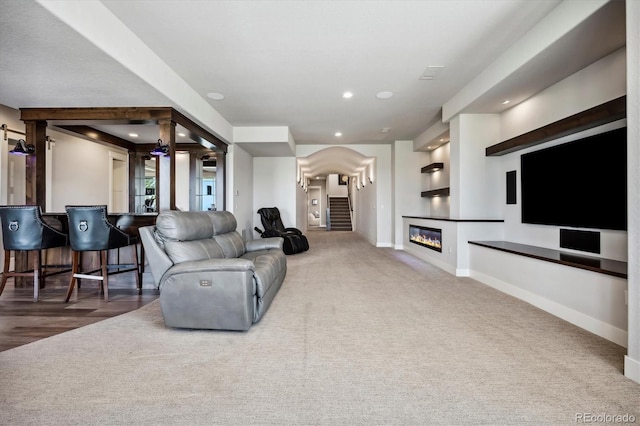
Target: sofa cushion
[177,226]
[232,244]
[222,221]
[183,251]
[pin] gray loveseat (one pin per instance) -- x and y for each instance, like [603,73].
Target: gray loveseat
[209,277]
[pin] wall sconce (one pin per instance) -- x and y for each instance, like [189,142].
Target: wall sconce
[22,148]
[370,180]
[160,149]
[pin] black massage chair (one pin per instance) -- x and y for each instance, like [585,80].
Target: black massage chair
[294,241]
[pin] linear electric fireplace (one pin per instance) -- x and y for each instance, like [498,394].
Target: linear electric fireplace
[426,237]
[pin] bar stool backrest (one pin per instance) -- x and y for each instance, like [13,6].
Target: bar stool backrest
[90,229]
[24,229]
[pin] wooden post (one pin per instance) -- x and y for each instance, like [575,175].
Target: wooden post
[36,163]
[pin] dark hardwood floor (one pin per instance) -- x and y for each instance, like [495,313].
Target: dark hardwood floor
[22,321]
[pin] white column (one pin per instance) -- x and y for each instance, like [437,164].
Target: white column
[632,360]
[475,178]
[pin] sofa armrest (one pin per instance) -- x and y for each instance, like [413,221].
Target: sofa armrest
[159,262]
[214,294]
[265,244]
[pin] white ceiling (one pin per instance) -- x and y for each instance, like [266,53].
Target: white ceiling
[286,63]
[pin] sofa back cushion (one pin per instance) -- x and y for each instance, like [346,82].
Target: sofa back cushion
[174,225]
[183,251]
[222,221]
[232,244]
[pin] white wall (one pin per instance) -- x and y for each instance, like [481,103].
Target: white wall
[366,214]
[87,181]
[596,84]
[474,176]
[408,183]
[182,181]
[605,80]
[240,190]
[274,185]
[588,299]
[334,189]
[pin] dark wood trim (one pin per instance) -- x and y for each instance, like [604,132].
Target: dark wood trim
[606,113]
[442,192]
[95,135]
[122,115]
[198,133]
[611,267]
[433,167]
[166,118]
[36,182]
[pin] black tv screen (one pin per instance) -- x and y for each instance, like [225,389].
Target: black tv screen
[581,184]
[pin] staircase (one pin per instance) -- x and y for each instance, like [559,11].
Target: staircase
[340,214]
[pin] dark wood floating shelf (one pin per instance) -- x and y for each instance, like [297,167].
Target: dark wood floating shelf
[442,192]
[606,113]
[448,219]
[611,267]
[433,167]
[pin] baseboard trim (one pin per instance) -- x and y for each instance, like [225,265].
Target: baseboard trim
[632,369]
[595,326]
[463,272]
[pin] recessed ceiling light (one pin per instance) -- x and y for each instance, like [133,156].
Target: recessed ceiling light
[338,134]
[215,96]
[347,95]
[133,135]
[385,130]
[384,95]
[506,101]
[182,134]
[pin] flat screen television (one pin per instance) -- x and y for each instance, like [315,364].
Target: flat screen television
[580,184]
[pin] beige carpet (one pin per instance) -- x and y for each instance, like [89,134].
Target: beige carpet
[356,335]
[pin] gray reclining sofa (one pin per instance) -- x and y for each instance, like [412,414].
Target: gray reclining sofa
[209,277]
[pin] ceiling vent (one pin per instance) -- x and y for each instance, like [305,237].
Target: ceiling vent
[432,72]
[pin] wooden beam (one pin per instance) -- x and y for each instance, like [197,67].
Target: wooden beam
[36,181]
[95,135]
[199,133]
[606,113]
[123,115]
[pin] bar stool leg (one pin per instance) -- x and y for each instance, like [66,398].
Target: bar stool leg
[36,276]
[74,270]
[105,274]
[138,268]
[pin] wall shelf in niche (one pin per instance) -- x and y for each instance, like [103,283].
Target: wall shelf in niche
[433,167]
[442,192]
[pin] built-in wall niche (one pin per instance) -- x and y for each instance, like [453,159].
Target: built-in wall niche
[440,192]
[426,237]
